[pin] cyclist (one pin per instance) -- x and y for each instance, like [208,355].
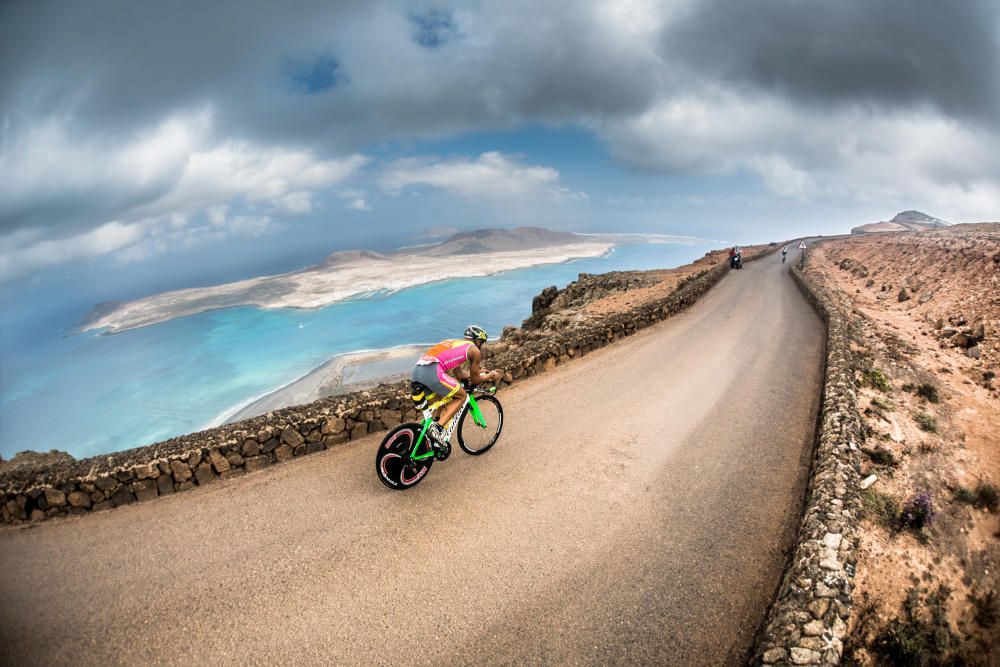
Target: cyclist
[440,365]
[784,253]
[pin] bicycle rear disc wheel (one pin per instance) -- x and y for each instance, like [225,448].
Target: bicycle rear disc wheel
[392,461]
[475,439]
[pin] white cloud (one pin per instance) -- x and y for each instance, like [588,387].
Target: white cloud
[163,179]
[295,203]
[832,155]
[359,205]
[19,257]
[217,215]
[492,175]
[175,168]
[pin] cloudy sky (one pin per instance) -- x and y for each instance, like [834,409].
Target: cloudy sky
[143,134]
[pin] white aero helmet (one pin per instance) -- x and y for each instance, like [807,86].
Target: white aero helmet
[473,332]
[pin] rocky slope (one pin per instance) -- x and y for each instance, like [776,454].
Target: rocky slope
[593,296]
[927,309]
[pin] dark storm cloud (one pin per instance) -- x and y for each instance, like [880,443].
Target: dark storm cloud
[434,28]
[120,66]
[893,53]
[118,110]
[115,66]
[331,78]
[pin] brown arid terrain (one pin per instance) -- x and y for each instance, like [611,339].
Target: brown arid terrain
[927,307]
[594,296]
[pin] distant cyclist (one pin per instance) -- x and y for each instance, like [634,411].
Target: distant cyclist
[784,253]
[441,366]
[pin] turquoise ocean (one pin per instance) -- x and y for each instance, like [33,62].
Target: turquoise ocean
[90,394]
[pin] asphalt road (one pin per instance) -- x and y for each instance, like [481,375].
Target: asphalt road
[636,510]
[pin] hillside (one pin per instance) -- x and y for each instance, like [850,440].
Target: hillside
[906,221]
[501,240]
[927,342]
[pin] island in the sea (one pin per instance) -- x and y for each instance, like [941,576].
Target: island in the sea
[355,273]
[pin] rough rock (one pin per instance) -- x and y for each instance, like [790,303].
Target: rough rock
[180,470]
[79,499]
[164,485]
[203,473]
[55,497]
[219,462]
[122,497]
[144,489]
[253,463]
[251,448]
[291,437]
[333,425]
[146,471]
[106,483]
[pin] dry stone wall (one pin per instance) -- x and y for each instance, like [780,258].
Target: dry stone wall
[807,623]
[76,487]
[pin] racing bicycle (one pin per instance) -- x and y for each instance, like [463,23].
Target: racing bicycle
[406,453]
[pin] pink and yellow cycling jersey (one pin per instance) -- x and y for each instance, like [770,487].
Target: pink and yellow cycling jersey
[448,354]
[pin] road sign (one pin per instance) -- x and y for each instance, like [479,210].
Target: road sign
[802,245]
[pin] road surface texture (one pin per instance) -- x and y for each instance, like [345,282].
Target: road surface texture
[636,510]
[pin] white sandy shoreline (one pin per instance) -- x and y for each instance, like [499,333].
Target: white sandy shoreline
[340,373]
[348,276]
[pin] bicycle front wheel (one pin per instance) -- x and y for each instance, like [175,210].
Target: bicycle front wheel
[476,438]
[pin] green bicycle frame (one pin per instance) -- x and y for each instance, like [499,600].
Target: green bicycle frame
[477,416]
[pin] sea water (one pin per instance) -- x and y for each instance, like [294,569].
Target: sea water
[90,394]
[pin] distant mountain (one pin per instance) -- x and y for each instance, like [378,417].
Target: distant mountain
[907,221]
[502,240]
[355,274]
[350,257]
[437,232]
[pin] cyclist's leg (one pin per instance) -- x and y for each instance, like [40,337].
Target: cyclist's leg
[455,391]
[442,384]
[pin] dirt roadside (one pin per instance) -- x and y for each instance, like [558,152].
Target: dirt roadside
[928,311]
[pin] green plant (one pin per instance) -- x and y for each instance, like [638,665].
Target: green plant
[926,422]
[916,637]
[987,497]
[987,609]
[928,391]
[880,507]
[883,404]
[876,378]
[965,496]
[880,456]
[908,387]
[989,375]
[984,496]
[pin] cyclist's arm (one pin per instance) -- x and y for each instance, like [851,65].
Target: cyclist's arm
[478,375]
